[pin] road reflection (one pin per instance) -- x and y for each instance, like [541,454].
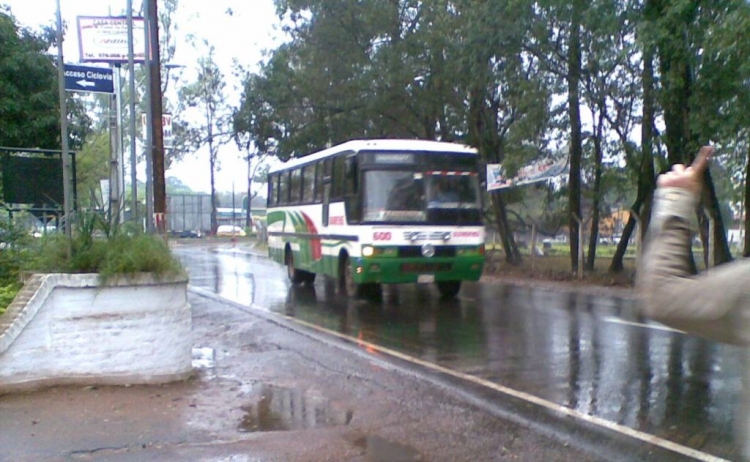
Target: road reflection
[589,353]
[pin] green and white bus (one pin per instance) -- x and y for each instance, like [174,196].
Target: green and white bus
[367,213]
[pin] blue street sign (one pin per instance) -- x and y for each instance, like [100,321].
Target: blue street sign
[89,78]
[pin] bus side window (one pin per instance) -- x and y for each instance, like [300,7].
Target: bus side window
[318,182]
[283,188]
[295,190]
[338,177]
[308,183]
[273,181]
[350,175]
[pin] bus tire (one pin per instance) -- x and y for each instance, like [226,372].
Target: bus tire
[448,289]
[295,276]
[346,278]
[308,277]
[371,290]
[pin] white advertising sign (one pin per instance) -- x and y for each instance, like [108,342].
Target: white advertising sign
[166,125]
[104,189]
[538,171]
[105,39]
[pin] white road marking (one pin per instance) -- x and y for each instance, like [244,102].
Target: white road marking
[638,324]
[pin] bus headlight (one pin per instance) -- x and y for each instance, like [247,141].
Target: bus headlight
[376,251]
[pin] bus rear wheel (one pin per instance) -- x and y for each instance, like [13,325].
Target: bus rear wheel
[448,289]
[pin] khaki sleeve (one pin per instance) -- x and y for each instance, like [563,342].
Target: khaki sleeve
[715,304]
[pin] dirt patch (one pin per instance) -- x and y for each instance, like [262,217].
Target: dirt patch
[554,272]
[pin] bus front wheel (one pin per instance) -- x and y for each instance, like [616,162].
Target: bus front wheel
[448,289]
[346,279]
[351,287]
[295,276]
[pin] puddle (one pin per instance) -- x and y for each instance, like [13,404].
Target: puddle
[203,358]
[378,449]
[281,409]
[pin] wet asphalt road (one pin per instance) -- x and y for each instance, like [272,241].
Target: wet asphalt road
[584,352]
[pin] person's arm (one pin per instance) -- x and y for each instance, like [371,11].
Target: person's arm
[705,304]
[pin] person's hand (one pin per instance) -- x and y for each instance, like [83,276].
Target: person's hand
[690,178]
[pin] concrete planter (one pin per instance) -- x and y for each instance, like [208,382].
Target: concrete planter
[70,329]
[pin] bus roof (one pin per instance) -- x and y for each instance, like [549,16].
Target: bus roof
[378,145]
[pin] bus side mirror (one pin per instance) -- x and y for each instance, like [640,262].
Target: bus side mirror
[327,179]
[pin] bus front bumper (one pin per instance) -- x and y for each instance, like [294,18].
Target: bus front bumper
[389,271]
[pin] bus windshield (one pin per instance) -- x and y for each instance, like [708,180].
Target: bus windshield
[397,196]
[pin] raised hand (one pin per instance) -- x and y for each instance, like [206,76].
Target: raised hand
[690,178]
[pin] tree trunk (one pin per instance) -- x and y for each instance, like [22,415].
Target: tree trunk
[646,175]
[574,112]
[746,250]
[248,211]
[212,162]
[512,254]
[598,157]
[483,135]
[721,247]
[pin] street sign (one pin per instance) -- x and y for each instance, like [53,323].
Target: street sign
[87,78]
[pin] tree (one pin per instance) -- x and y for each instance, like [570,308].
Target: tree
[92,166]
[205,97]
[29,103]
[506,105]
[257,169]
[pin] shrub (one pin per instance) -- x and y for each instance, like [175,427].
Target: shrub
[13,241]
[7,294]
[122,254]
[99,245]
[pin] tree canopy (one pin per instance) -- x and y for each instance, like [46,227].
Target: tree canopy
[624,88]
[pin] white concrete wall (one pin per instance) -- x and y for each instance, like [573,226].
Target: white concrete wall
[66,328]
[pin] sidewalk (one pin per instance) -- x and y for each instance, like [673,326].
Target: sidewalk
[267,389]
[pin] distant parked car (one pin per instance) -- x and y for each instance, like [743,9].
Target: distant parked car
[230,231]
[185,234]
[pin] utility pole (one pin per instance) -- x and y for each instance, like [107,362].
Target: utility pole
[148,144]
[67,208]
[157,148]
[115,165]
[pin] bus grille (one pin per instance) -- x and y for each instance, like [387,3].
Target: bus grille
[412,251]
[426,267]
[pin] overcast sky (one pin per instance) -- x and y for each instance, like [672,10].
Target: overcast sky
[243,35]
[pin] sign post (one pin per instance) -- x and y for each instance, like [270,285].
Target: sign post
[67,174]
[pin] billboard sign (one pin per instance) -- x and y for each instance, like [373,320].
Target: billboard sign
[105,39]
[538,171]
[87,78]
[166,125]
